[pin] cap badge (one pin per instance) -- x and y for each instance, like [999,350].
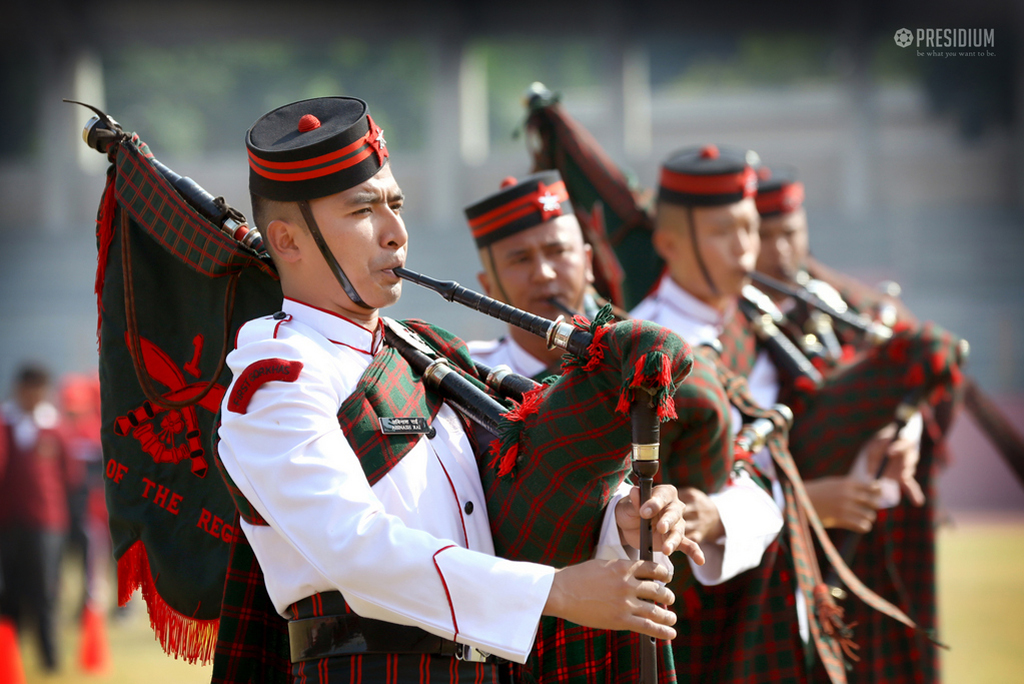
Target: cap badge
[376,140]
[549,203]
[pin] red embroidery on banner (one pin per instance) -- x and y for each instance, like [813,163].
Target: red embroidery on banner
[256,375]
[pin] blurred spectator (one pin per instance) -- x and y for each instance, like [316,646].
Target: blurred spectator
[88,538]
[33,508]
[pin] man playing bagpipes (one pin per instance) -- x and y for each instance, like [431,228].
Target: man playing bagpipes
[711,191]
[896,556]
[176,266]
[534,257]
[375,528]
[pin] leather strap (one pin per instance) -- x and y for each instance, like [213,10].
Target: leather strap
[350,634]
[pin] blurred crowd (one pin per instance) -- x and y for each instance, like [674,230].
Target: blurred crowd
[52,504]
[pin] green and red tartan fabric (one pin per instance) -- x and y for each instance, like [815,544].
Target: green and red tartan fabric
[897,558]
[858,399]
[558,457]
[172,290]
[573,439]
[611,213]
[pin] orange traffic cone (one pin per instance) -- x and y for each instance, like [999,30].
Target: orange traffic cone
[94,652]
[11,669]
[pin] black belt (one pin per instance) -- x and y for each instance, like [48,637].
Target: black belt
[349,634]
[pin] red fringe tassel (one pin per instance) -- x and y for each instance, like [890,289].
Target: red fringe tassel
[830,617]
[529,406]
[104,237]
[179,635]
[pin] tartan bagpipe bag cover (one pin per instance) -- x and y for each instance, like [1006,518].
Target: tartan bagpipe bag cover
[172,291]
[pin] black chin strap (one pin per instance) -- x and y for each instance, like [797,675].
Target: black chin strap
[696,251]
[318,237]
[497,278]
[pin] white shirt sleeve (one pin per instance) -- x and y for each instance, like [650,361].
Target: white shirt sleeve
[751,520]
[289,457]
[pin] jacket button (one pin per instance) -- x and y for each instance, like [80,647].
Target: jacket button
[469,508]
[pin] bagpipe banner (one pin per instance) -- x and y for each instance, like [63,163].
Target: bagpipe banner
[172,292]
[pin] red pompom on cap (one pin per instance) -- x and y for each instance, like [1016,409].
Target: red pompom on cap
[508,182]
[709,152]
[308,123]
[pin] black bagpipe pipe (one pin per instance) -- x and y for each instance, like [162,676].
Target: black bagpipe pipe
[102,133]
[466,397]
[765,317]
[876,332]
[646,427]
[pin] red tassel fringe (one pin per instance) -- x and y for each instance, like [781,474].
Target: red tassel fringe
[830,617]
[506,461]
[529,406]
[104,236]
[179,635]
[595,352]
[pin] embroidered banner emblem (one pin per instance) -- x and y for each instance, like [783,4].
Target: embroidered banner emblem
[256,375]
[404,426]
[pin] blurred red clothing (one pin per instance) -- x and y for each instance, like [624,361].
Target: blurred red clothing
[34,479]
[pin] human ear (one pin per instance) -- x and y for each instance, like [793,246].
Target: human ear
[588,257]
[485,282]
[664,243]
[282,237]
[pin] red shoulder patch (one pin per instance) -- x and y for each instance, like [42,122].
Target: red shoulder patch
[256,375]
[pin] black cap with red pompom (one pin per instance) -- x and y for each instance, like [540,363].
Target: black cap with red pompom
[709,175]
[314,148]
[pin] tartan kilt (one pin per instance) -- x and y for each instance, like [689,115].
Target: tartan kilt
[746,630]
[897,560]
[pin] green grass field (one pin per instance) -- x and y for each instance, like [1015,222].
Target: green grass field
[981,589]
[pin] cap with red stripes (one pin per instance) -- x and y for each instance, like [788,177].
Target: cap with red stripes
[708,176]
[314,148]
[778,192]
[520,204]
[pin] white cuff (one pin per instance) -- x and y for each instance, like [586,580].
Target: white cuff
[751,521]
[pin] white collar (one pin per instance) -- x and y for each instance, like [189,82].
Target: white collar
[523,361]
[672,295]
[335,327]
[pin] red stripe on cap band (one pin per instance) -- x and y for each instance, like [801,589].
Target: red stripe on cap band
[786,199]
[546,199]
[722,184]
[505,220]
[315,161]
[316,173]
